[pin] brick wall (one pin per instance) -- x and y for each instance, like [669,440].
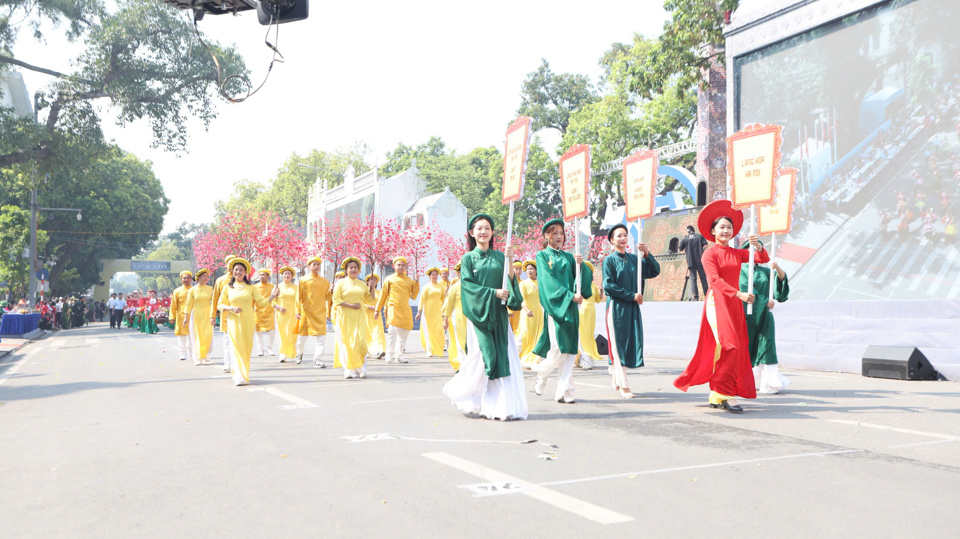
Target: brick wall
[712,129]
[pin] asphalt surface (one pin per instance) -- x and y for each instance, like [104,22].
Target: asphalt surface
[104,433]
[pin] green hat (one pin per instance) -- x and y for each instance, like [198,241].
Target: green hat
[480,216]
[550,223]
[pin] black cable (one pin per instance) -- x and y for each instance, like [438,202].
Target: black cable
[221,82]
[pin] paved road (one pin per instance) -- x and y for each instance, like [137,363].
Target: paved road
[105,434]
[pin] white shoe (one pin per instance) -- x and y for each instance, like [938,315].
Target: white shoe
[319,365]
[226,369]
[363,374]
[299,358]
[283,359]
[260,353]
[538,387]
[239,383]
[205,362]
[195,362]
[182,358]
[349,376]
[566,400]
[402,360]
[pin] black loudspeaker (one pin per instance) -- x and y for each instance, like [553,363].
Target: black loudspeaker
[602,345]
[897,363]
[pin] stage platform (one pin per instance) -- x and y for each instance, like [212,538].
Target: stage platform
[824,335]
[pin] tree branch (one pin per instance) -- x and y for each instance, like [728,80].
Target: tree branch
[31,67]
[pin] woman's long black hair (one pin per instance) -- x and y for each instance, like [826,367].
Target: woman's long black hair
[472,242]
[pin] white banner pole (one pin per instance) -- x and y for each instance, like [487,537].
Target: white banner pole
[773,255]
[506,265]
[753,230]
[576,249]
[639,258]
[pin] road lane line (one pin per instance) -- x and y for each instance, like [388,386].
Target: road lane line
[556,499]
[300,403]
[399,400]
[896,429]
[16,366]
[925,443]
[686,468]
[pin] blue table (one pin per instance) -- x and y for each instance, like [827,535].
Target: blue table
[18,324]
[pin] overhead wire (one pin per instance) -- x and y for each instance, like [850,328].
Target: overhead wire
[222,82]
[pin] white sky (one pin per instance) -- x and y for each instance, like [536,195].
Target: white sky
[381,72]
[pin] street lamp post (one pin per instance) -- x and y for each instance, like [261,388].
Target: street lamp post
[34,208]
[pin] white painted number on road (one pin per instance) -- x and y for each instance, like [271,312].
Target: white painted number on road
[486,489]
[368,437]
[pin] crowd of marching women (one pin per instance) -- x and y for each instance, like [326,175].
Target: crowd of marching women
[496,317]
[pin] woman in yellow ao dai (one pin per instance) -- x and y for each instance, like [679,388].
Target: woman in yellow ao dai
[285,304]
[431,307]
[377,344]
[200,317]
[238,305]
[349,296]
[531,316]
[589,354]
[455,323]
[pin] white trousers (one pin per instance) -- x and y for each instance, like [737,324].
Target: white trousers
[554,360]
[616,369]
[264,340]
[396,342]
[321,341]
[185,345]
[227,351]
[586,362]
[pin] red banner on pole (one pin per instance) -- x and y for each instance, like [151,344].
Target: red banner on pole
[753,162]
[778,217]
[575,182]
[515,158]
[640,184]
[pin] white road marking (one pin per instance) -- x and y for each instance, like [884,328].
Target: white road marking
[594,385]
[944,268]
[300,403]
[16,366]
[93,341]
[896,429]
[903,269]
[399,400]
[925,443]
[688,468]
[556,499]
[922,274]
[891,264]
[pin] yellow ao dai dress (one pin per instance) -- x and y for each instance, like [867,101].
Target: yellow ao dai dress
[241,326]
[352,329]
[431,321]
[287,319]
[200,311]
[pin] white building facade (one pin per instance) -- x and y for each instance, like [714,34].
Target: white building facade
[403,197]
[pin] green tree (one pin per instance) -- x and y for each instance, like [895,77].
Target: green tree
[287,194]
[142,57]
[14,238]
[678,54]
[551,98]
[122,203]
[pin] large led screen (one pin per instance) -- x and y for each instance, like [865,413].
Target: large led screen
[869,105]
